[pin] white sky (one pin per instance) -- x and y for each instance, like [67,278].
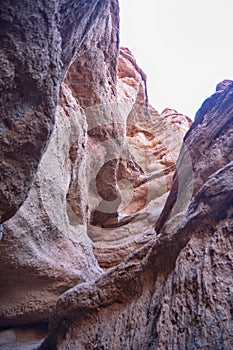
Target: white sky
[185,47]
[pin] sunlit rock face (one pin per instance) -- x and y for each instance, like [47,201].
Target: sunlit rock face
[141,173]
[125,237]
[143,178]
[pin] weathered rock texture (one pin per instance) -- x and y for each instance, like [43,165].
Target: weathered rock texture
[102,182]
[37,44]
[175,292]
[45,247]
[94,243]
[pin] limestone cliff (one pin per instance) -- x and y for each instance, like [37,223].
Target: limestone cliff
[125,238]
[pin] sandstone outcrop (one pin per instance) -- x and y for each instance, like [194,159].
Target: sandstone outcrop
[38,41]
[45,247]
[175,292]
[207,148]
[125,238]
[107,143]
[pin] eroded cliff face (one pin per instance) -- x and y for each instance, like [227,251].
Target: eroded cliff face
[101,184]
[45,247]
[119,253]
[38,41]
[174,292]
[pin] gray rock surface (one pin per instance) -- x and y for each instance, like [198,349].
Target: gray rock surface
[38,41]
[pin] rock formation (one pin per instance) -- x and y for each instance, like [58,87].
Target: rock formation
[175,292]
[118,245]
[104,144]
[38,41]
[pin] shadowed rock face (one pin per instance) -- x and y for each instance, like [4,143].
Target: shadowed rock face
[37,44]
[109,193]
[207,145]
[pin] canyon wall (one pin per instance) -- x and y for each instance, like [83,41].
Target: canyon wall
[100,186]
[124,240]
[175,292]
[38,42]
